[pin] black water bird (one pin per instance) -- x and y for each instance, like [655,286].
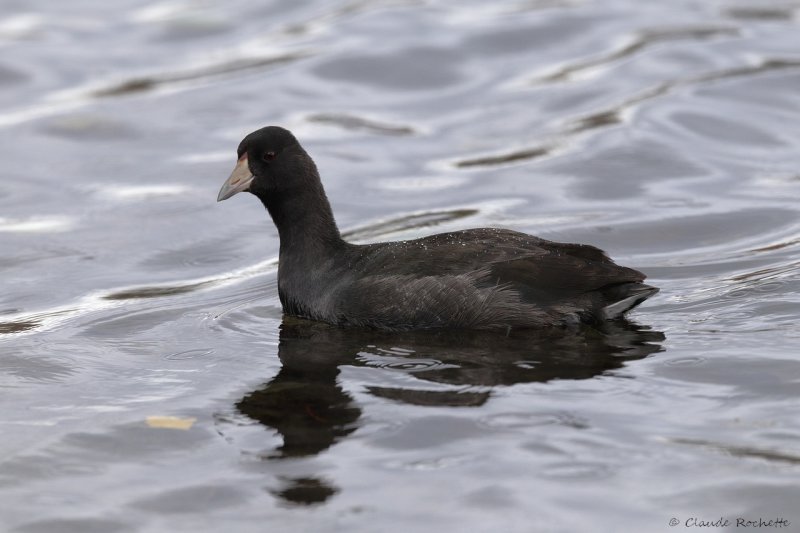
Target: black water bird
[483,278]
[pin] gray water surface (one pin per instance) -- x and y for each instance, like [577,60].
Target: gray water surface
[150,383]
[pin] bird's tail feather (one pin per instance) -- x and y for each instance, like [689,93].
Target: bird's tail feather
[625,297]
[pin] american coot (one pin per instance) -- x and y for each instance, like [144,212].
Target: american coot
[482,278]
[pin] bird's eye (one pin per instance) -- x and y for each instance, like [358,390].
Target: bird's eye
[269,156]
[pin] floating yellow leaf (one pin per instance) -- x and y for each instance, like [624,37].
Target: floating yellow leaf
[170,422]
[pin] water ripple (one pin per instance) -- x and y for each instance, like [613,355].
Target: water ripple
[189,354]
[761,13]
[751,452]
[637,43]
[615,115]
[156,292]
[524,154]
[352,122]
[221,69]
[408,222]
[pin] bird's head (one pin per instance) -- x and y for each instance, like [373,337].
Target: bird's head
[270,160]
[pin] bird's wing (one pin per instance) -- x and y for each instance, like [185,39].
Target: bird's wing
[563,271]
[510,256]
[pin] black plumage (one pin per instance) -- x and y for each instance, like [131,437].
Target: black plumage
[482,278]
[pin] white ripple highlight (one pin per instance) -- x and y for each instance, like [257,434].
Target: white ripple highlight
[209,157]
[43,224]
[138,192]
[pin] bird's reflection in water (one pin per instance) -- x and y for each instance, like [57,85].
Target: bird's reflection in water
[311,410]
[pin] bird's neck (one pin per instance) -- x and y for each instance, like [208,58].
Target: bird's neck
[304,219]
